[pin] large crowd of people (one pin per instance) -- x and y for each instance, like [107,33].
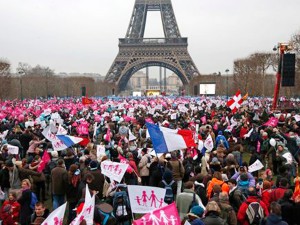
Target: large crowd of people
[209,185]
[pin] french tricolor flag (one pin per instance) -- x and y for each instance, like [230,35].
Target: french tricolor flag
[167,140]
[69,140]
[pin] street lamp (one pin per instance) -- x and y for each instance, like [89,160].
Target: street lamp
[21,84]
[227,70]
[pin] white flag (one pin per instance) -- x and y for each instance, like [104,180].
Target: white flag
[208,143]
[61,131]
[257,165]
[248,134]
[87,212]
[131,136]
[145,199]
[113,170]
[56,217]
[187,223]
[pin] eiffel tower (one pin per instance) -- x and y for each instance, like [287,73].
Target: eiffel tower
[137,52]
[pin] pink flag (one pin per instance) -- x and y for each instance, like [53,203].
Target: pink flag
[107,137]
[43,163]
[203,119]
[162,216]
[272,122]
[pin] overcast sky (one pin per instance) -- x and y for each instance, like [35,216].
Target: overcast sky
[82,35]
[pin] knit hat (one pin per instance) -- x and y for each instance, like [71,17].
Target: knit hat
[196,211]
[93,165]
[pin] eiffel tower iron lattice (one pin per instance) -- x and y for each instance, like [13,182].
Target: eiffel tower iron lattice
[137,52]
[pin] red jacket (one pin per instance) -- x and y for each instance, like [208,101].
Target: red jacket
[277,194]
[10,212]
[241,215]
[266,197]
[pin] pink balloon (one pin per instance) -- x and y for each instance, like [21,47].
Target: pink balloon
[21,118]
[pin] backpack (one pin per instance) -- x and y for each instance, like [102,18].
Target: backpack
[193,203]
[33,200]
[254,212]
[121,206]
[107,216]
[169,197]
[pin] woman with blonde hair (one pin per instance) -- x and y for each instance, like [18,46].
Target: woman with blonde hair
[25,201]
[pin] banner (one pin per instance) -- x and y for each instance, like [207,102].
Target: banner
[144,199]
[272,122]
[57,144]
[14,150]
[257,165]
[167,215]
[113,170]
[56,217]
[208,143]
[87,212]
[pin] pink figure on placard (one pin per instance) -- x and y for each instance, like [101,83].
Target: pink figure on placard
[173,220]
[163,218]
[153,199]
[154,219]
[56,221]
[161,202]
[138,200]
[81,218]
[144,198]
[89,209]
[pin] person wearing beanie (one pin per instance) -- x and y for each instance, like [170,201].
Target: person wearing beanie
[98,182]
[252,197]
[195,215]
[10,210]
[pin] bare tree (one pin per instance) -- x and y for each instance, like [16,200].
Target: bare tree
[5,82]
[262,61]
[243,72]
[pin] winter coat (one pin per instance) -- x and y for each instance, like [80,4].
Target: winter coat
[277,194]
[8,217]
[273,219]
[265,197]
[144,171]
[242,217]
[236,199]
[251,179]
[212,218]
[24,201]
[59,180]
[177,169]
[224,186]
[184,200]
[287,210]
[4,178]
